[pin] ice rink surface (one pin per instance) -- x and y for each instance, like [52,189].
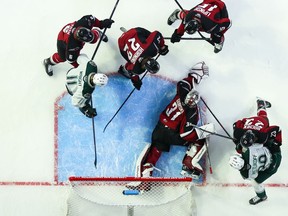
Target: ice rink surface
[252,63]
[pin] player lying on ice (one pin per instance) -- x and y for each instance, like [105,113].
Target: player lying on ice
[176,126]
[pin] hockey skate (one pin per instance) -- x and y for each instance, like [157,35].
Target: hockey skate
[186,172]
[255,200]
[48,66]
[173,17]
[218,47]
[263,104]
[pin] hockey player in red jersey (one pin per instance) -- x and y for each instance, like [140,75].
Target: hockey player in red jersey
[176,126]
[210,16]
[258,147]
[138,46]
[72,38]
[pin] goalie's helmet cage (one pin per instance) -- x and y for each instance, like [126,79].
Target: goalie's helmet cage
[115,196]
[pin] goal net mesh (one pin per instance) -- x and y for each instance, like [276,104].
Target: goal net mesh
[131,196]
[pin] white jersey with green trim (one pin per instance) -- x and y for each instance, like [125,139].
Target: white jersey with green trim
[259,159]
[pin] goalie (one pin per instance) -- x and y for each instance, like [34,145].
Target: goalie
[176,126]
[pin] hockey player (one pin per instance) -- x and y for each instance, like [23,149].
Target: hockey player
[81,82]
[138,46]
[258,146]
[210,16]
[176,126]
[72,38]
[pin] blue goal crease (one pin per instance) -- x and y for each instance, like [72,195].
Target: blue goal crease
[125,137]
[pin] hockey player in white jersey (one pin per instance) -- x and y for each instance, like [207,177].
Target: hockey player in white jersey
[258,146]
[81,82]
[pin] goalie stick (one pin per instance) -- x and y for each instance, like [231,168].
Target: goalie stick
[212,133]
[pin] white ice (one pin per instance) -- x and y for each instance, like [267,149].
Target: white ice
[252,63]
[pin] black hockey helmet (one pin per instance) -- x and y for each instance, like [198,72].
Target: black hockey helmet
[191,26]
[152,65]
[83,34]
[247,139]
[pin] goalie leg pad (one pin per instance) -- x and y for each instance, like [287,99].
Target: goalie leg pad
[193,156]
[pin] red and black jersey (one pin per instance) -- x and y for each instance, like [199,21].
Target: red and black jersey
[138,43]
[179,117]
[70,46]
[212,16]
[257,124]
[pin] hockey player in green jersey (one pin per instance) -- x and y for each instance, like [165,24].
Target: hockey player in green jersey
[258,149]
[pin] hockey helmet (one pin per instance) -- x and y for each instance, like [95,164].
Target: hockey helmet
[191,26]
[247,139]
[192,98]
[83,34]
[152,65]
[100,79]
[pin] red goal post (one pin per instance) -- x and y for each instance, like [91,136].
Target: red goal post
[132,196]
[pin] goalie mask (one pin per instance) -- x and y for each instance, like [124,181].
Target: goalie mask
[192,98]
[247,139]
[83,34]
[199,71]
[152,65]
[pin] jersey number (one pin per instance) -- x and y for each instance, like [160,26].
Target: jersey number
[133,45]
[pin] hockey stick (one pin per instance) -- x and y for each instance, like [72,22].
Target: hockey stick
[98,45]
[93,125]
[213,133]
[229,136]
[94,139]
[208,156]
[168,38]
[126,100]
[202,36]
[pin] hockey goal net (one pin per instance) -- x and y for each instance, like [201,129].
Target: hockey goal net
[131,196]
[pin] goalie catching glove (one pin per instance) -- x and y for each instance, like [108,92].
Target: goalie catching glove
[199,71]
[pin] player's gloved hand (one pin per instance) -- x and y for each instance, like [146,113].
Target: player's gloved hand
[88,111]
[175,37]
[137,83]
[106,23]
[236,161]
[164,50]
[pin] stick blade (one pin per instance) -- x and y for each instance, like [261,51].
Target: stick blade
[123,29]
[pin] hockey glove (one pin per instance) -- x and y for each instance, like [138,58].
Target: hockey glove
[122,70]
[236,161]
[106,23]
[164,50]
[175,37]
[137,83]
[88,111]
